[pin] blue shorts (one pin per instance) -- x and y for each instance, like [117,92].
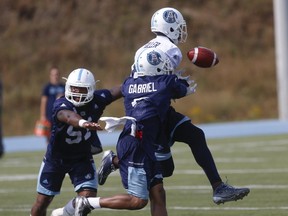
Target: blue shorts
[137,162]
[52,172]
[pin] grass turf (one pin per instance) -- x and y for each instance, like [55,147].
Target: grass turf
[256,162]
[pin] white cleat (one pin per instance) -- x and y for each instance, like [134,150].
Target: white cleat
[57,212]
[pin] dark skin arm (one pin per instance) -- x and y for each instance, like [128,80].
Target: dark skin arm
[116,92]
[73,119]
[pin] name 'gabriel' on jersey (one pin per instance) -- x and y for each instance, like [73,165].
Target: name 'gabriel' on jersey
[149,96]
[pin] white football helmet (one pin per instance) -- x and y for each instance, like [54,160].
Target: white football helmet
[80,78]
[152,62]
[171,23]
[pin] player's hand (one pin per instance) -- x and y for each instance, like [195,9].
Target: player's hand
[179,75]
[192,87]
[191,84]
[92,126]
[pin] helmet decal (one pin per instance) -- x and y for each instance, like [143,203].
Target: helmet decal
[169,16]
[152,62]
[80,74]
[170,22]
[154,58]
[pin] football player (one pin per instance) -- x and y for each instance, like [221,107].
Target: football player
[147,97]
[170,29]
[73,139]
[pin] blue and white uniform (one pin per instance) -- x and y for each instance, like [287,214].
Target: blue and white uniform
[163,43]
[178,127]
[174,54]
[147,99]
[69,149]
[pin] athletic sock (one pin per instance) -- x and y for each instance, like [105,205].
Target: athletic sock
[94,202]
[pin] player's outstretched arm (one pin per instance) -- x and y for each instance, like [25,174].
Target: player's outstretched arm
[116,92]
[76,120]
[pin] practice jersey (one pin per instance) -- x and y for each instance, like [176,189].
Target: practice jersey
[163,43]
[150,96]
[68,142]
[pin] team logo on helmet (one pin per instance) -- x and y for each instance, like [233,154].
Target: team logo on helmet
[154,58]
[169,16]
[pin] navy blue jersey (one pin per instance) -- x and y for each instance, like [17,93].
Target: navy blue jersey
[52,92]
[150,96]
[71,143]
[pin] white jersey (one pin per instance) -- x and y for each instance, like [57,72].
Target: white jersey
[163,43]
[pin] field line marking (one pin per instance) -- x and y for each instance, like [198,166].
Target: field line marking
[229,208]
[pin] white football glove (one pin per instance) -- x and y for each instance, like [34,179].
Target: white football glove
[192,87]
[192,84]
[179,75]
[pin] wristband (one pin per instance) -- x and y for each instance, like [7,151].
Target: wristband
[81,122]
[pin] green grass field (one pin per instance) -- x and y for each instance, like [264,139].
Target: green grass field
[260,163]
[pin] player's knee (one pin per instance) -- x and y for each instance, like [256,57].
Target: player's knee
[200,133]
[197,135]
[189,133]
[157,194]
[167,169]
[138,203]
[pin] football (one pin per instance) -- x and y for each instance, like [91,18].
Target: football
[203,57]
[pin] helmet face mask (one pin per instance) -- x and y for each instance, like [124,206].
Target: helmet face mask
[171,23]
[183,33]
[80,86]
[153,62]
[78,94]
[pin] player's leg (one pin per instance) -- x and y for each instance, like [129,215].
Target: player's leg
[70,208]
[133,171]
[157,196]
[180,129]
[83,186]
[195,138]
[46,192]
[41,204]
[82,205]
[188,133]
[165,166]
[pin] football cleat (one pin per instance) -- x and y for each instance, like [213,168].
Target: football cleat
[106,167]
[60,212]
[82,206]
[57,212]
[225,193]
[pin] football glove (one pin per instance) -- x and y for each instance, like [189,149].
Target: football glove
[179,75]
[192,87]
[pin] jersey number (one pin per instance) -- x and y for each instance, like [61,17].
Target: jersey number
[77,135]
